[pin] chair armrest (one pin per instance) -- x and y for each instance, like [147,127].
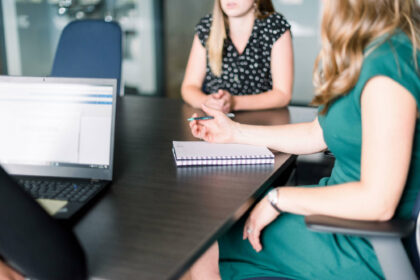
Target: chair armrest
[394,228]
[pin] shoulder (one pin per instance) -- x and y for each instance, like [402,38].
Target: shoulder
[392,56]
[274,21]
[205,22]
[390,48]
[202,29]
[273,26]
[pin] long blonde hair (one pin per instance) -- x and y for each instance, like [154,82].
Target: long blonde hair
[348,27]
[263,8]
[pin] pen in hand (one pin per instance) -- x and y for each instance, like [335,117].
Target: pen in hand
[230,115]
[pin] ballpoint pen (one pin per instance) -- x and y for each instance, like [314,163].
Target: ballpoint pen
[230,115]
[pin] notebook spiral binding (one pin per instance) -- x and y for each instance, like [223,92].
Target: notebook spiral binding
[201,151]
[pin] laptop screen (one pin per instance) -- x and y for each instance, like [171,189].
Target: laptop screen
[60,127]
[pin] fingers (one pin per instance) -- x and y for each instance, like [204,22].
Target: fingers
[254,239]
[195,130]
[252,232]
[206,136]
[210,111]
[214,103]
[219,94]
[191,123]
[226,108]
[196,127]
[200,131]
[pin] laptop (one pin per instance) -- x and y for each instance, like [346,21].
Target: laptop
[57,138]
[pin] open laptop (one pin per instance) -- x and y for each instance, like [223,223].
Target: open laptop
[57,138]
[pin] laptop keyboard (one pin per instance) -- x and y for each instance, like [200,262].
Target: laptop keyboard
[60,190]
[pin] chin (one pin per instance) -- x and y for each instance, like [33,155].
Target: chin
[235,13]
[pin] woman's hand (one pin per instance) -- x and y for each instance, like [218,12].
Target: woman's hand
[226,100]
[221,129]
[262,215]
[8,273]
[221,100]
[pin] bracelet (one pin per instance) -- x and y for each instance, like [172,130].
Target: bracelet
[274,199]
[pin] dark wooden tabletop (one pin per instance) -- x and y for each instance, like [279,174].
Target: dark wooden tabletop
[156,219]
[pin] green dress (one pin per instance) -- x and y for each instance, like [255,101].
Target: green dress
[289,249]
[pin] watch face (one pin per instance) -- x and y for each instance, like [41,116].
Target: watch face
[272,196]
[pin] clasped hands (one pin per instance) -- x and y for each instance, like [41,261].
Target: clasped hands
[221,100]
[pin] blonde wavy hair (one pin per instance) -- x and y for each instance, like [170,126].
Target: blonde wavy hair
[219,27]
[348,27]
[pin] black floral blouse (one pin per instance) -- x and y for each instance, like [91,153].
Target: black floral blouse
[249,72]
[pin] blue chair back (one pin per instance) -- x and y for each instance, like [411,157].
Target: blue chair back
[89,49]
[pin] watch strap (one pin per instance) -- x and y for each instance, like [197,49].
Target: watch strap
[275,206]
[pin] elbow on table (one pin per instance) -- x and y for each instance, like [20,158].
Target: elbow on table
[184,93]
[187,92]
[284,98]
[287,99]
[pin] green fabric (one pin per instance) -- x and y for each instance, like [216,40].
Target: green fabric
[289,248]
[342,124]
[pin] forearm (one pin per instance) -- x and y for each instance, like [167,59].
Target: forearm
[193,95]
[267,100]
[349,201]
[301,138]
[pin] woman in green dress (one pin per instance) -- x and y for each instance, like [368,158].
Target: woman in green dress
[368,89]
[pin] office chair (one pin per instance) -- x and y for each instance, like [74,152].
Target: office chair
[386,239]
[397,261]
[89,49]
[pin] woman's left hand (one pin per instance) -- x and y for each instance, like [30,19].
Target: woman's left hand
[262,215]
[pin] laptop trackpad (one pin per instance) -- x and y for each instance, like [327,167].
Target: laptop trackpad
[52,206]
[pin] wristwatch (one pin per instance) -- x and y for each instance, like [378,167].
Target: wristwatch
[273,198]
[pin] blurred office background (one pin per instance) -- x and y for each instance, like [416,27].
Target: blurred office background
[157,38]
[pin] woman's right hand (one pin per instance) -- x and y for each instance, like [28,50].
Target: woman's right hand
[8,273]
[221,129]
[221,100]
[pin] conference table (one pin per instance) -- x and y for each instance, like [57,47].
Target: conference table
[156,219]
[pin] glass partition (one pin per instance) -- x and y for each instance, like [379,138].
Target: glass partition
[31,30]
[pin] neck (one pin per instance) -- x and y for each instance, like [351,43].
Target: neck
[242,24]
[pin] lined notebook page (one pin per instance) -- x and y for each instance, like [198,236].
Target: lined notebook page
[203,153]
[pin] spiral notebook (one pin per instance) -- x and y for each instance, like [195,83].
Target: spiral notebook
[187,153]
